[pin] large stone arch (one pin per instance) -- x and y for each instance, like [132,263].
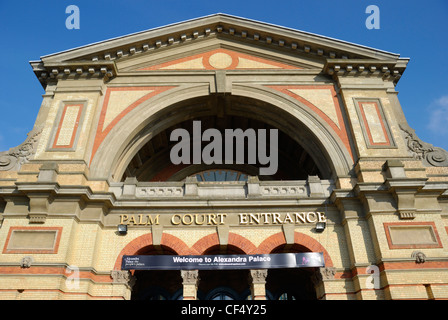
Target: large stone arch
[135,246]
[301,239]
[212,240]
[155,114]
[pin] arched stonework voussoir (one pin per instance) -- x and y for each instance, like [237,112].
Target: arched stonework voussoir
[136,246]
[258,102]
[300,239]
[235,240]
[125,139]
[320,139]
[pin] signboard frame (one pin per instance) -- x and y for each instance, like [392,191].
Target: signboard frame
[223,262]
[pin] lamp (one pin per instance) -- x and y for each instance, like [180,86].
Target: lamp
[122,229]
[320,226]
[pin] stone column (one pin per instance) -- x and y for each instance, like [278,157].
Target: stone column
[190,280]
[122,281]
[321,279]
[257,281]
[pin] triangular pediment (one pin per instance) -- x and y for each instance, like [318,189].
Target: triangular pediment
[216,54]
[218,41]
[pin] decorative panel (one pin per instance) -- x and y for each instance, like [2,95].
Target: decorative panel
[375,127]
[66,130]
[33,240]
[412,235]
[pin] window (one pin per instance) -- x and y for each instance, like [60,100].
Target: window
[221,175]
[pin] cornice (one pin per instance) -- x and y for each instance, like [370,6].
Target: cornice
[48,71]
[390,70]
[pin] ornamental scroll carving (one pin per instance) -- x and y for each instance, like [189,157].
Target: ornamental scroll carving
[15,157]
[427,153]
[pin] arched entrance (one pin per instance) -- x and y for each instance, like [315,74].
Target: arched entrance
[157,284]
[308,143]
[223,284]
[296,161]
[291,283]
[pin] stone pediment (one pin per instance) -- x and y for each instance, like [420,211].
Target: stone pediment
[215,42]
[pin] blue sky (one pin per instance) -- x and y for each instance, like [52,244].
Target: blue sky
[415,29]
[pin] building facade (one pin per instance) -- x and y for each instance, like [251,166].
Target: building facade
[352,181]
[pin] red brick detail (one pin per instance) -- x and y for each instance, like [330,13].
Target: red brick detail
[412,246]
[341,132]
[68,293]
[240,242]
[175,244]
[278,239]
[205,243]
[102,132]
[137,245]
[58,270]
[408,265]
[56,243]
[269,244]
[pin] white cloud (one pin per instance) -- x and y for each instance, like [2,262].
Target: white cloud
[438,117]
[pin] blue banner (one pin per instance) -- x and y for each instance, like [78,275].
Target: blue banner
[223,262]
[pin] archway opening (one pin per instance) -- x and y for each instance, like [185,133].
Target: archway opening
[223,284]
[299,152]
[157,284]
[290,283]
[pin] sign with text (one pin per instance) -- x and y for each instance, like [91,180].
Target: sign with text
[214,219]
[223,262]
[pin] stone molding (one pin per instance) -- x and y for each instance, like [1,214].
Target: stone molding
[313,187]
[47,72]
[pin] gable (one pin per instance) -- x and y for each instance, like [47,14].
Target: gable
[193,45]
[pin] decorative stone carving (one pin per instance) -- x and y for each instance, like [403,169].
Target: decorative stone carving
[258,276]
[283,191]
[430,155]
[123,276]
[160,191]
[419,257]
[26,262]
[21,154]
[37,217]
[323,274]
[190,276]
[407,214]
